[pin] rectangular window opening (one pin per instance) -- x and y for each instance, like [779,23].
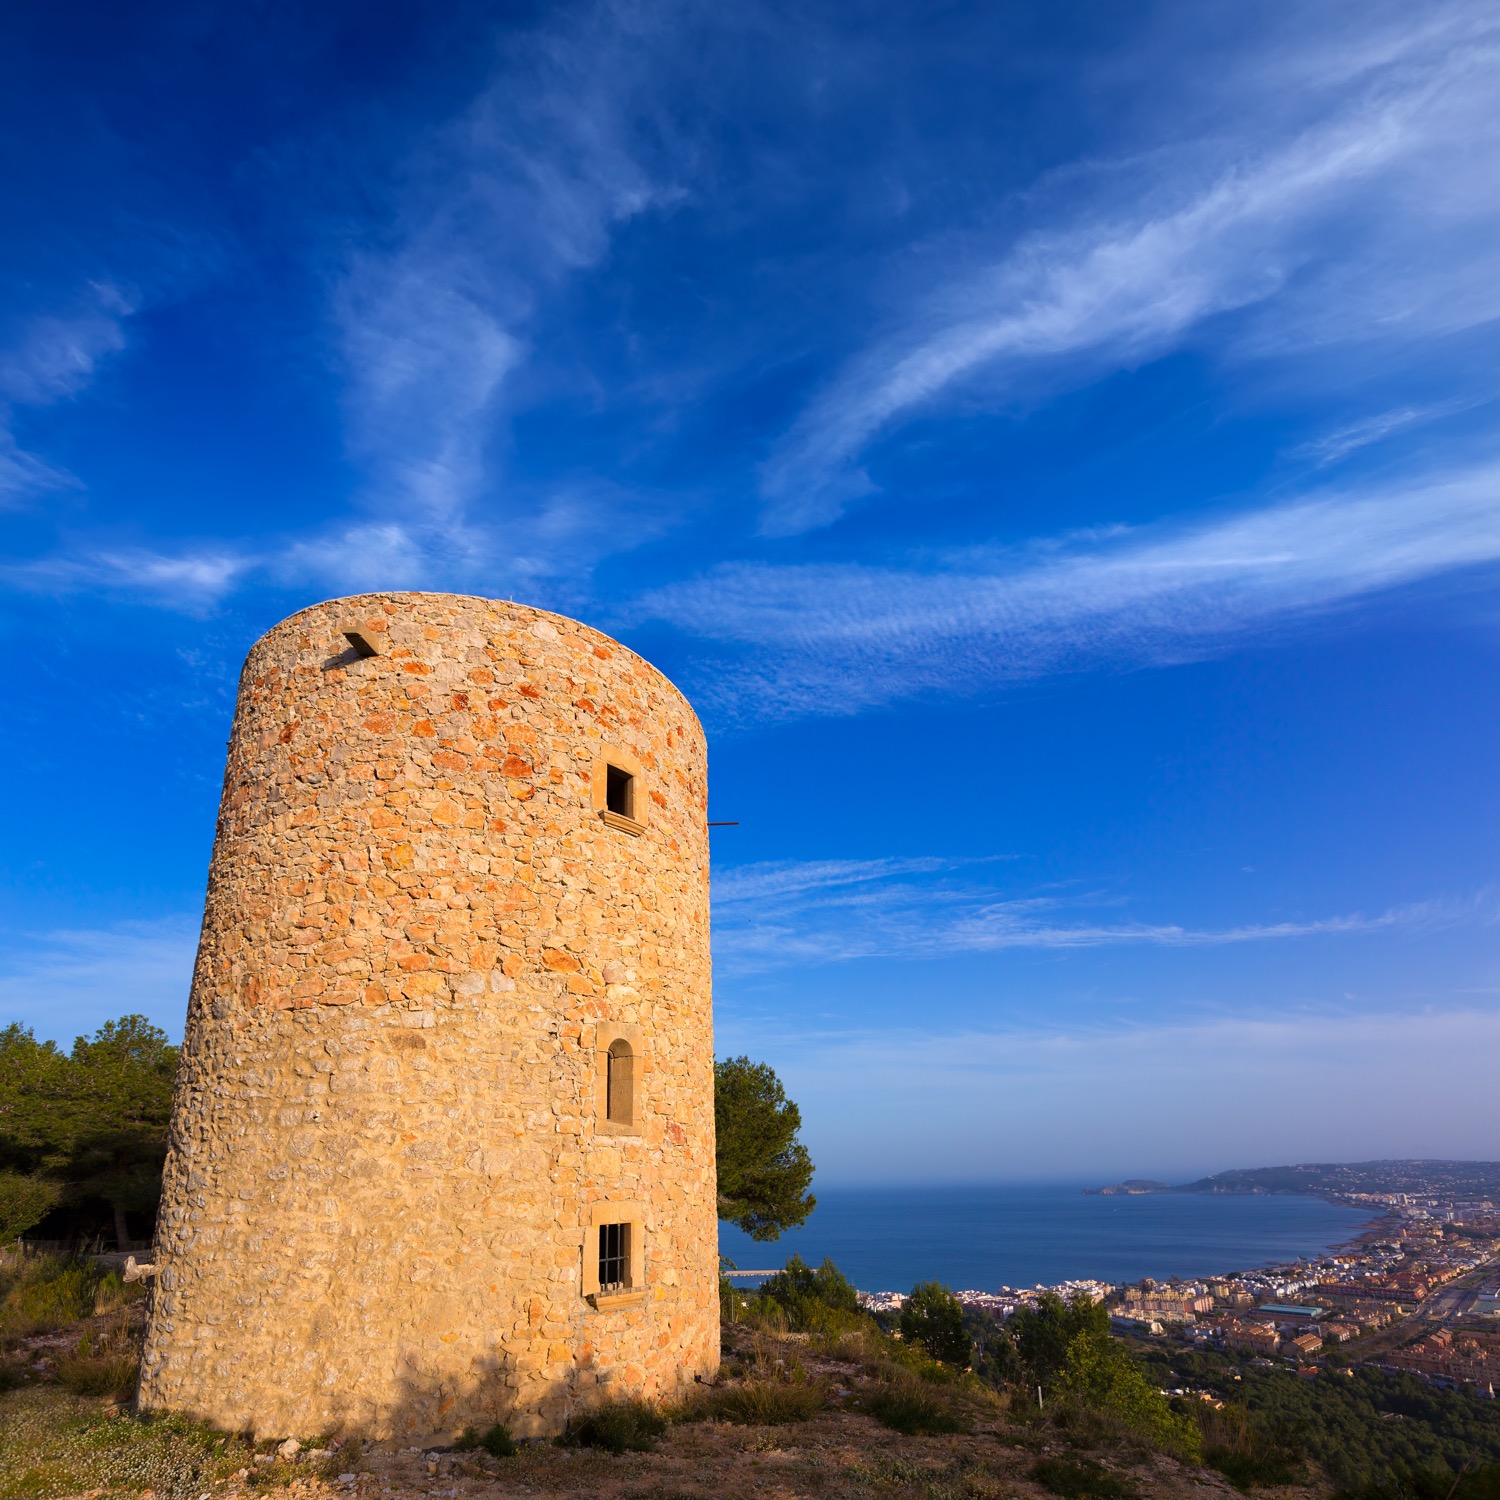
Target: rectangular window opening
[614,1259]
[619,792]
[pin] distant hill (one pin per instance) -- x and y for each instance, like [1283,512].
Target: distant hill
[1451,1179]
[1460,1179]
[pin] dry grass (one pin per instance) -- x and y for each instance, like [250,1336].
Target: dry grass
[42,1293]
[764,1403]
[629,1426]
[911,1407]
[112,1375]
[1080,1479]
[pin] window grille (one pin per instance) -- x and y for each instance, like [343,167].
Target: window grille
[614,1258]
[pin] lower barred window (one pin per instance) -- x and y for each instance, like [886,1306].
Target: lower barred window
[614,1259]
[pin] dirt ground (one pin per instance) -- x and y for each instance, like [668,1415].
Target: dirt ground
[836,1455]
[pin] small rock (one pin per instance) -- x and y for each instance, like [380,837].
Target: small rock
[289,1449]
[347,1478]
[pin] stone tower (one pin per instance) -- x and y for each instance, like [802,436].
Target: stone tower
[443,1141]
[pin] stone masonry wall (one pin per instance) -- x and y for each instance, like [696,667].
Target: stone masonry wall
[419,929]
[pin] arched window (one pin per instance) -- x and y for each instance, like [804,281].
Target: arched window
[619,1083]
[621,1078]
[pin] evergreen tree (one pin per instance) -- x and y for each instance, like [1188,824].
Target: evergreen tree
[820,1301]
[933,1318]
[1044,1333]
[764,1170]
[90,1123]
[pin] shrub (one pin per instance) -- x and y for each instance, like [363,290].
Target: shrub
[619,1426]
[910,1407]
[891,1470]
[24,1202]
[99,1374]
[497,1441]
[934,1318]
[1079,1479]
[1100,1373]
[994,1358]
[732,1301]
[854,1347]
[1246,1469]
[897,1360]
[766,1316]
[820,1301]
[1482,1483]
[1243,1452]
[47,1292]
[1044,1334]
[770,1403]
[112,1293]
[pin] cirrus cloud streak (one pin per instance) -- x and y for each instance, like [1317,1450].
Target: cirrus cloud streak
[791,914]
[1367,221]
[838,638]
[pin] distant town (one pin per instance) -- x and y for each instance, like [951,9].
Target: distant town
[1417,1292]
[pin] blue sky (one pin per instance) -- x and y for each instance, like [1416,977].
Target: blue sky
[1054,445]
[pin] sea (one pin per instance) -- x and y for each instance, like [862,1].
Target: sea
[982,1238]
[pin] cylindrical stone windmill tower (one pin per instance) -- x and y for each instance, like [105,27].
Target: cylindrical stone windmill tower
[443,1141]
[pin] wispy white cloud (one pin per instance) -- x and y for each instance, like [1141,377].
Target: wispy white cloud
[567,527]
[56,356]
[49,359]
[1372,222]
[839,638]
[779,881]
[498,208]
[67,982]
[1332,447]
[553,534]
[24,474]
[190,580]
[780,914]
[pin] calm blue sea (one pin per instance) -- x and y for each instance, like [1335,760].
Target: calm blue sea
[983,1237]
